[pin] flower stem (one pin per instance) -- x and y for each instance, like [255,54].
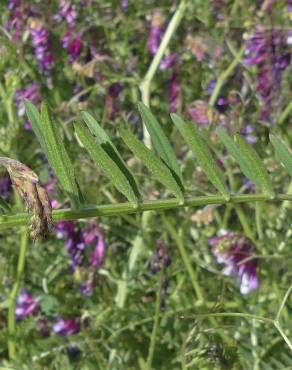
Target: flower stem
[186,260]
[145,85]
[156,322]
[224,76]
[150,205]
[14,294]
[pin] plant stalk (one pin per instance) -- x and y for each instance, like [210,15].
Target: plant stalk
[145,85]
[224,76]
[14,294]
[130,208]
[156,322]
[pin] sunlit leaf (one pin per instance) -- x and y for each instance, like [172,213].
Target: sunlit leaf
[105,162]
[160,171]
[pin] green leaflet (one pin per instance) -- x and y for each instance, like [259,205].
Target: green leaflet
[236,154]
[154,164]
[35,120]
[178,121]
[106,163]
[256,166]
[160,141]
[53,147]
[57,155]
[198,146]
[283,153]
[103,139]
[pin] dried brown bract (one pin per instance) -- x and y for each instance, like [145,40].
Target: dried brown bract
[26,183]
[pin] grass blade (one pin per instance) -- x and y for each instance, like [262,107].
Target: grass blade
[283,153]
[234,150]
[4,205]
[105,162]
[57,155]
[257,168]
[203,154]
[103,139]
[160,141]
[160,171]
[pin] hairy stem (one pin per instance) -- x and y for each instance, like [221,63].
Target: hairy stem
[14,294]
[129,208]
[145,85]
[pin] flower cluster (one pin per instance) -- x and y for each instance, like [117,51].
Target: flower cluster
[41,40]
[72,40]
[235,251]
[66,327]
[267,49]
[32,93]
[78,242]
[16,20]
[26,305]
[157,31]
[172,62]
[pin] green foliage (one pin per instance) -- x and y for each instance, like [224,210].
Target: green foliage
[199,147]
[53,146]
[154,164]
[106,143]
[160,141]
[283,153]
[257,168]
[107,164]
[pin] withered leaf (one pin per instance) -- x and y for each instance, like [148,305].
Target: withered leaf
[26,183]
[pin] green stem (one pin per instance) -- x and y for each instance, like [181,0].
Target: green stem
[244,223]
[186,260]
[14,294]
[151,205]
[145,85]
[258,214]
[224,76]
[285,113]
[156,322]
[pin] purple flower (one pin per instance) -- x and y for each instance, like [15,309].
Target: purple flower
[175,91]
[32,93]
[73,44]
[157,31]
[5,186]
[248,132]
[65,327]
[161,258]
[42,43]
[289,4]
[16,19]
[124,5]
[169,61]
[98,254]
[114,91]
[268,50]
[222,101]
[235,252]
[74,244]
[77,243]
[198,111]
[67,12]
[26,305]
